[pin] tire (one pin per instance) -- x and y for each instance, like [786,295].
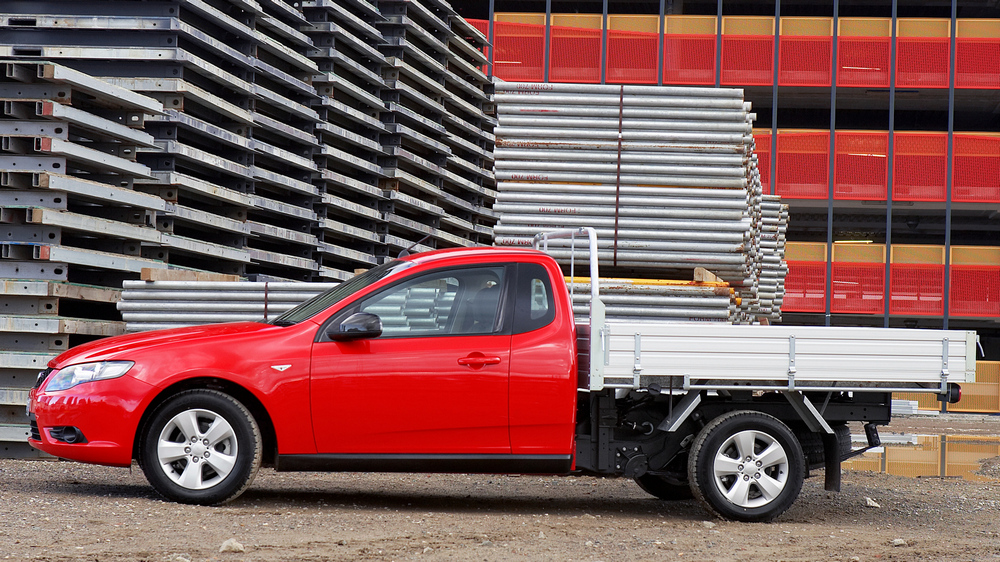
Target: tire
[725,483]
[812,444]
[664,488]
[201,447]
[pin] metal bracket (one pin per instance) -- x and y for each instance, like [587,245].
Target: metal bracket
[809,414]
[791,363]
[637,364]
[681,412]
[944,365]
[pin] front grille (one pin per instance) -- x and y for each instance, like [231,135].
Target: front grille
[35,434]
[41,378]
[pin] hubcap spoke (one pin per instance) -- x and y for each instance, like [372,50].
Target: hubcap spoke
[219,431]
[739,494]
[168,451]
[223,464]
[191,477]
[725,466]
[773,455]
[187,422]
[744,442]
[769,487]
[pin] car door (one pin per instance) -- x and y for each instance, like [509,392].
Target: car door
[434,382]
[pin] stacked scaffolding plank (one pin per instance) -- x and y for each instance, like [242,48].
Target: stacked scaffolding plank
[233,152]
[69,219]
[666,175]
[439,143]
[349,81]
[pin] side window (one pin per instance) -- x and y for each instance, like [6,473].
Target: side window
[450,302]
[535,306]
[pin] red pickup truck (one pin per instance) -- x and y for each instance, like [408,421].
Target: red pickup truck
[462,360]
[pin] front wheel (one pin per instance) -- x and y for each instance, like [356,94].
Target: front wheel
[201,447]
[746,466]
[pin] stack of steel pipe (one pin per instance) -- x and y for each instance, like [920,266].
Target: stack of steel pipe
[158,305]
[651,299]
[666,175]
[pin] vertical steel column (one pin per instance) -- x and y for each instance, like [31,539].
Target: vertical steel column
[492,40]
[604,44]
[946,293]
[774,95]
[949,178]
[548,39]
[832,162]
[718,45]
[663,31]
[886,297]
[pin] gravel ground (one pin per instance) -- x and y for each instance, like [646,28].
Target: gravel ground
[68,511]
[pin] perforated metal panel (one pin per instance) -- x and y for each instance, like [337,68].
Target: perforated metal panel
[632,56]
[916,289]
[858,288]
[689,59]
[520,51]
[575,55]
[763,150]
[803,164]
[920,166]
[861,169]
[976,164]
[805,287]
[975,291]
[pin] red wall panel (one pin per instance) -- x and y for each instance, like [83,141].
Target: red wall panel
[976,169]
[863,62]
[862,168]
[575,55]
[689,60]
[858,288]
[977,63]
[763,151]
[520,52]
[975,291]
[632,57]
[803,165]
[805,287]
[804,61]
[748,60]
[916,289]
[922,62]
[920,167]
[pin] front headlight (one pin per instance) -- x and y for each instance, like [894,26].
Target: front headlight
[68,377]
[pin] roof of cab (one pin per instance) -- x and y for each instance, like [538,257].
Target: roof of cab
[473,252]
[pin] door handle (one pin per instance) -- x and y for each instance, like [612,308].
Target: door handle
[479,360]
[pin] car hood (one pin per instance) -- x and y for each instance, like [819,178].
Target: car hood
[121,347]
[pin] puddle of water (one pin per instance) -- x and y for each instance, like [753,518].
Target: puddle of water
[939,456]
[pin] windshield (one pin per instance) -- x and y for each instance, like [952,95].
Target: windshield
[321,302]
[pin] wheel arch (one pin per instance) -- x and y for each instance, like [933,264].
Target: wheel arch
[247,398]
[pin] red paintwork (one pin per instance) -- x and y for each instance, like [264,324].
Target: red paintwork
[404,395]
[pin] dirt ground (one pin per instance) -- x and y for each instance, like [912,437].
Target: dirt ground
[66,511]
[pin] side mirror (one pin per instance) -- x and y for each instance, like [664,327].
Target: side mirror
[360,325]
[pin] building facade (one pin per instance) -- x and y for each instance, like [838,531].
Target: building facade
[877,122]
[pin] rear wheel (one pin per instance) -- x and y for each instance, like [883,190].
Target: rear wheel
[746,466]
[201,447]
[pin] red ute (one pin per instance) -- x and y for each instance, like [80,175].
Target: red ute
[406,367]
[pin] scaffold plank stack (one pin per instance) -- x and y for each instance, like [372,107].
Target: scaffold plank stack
[439,141]
[666,175]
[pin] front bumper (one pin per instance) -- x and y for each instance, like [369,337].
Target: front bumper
[106,413]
